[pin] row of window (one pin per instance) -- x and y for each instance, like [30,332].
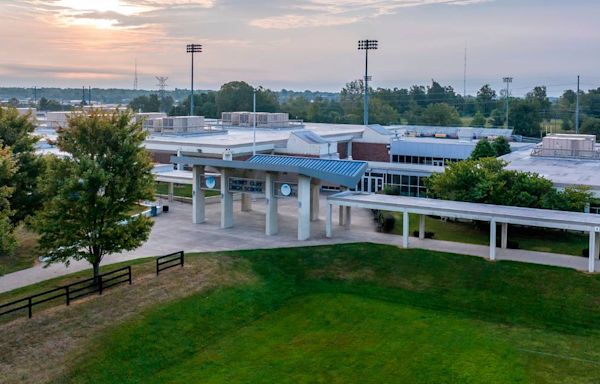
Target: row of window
[436,161]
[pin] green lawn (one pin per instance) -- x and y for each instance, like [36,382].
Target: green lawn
[25,254]
[362,313]
[181,190]
[533,239]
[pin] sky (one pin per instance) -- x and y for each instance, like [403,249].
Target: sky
[300,44]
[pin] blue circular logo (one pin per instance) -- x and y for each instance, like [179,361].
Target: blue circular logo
[210,182]
[285,189]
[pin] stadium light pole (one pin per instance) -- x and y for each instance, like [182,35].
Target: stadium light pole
[253,121]
[193,48]
[367,45]
[507,80]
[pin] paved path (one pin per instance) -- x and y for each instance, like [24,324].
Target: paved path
[173,232]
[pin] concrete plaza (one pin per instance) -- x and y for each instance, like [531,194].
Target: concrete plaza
[174,231]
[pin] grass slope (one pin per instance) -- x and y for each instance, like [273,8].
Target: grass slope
[363,313]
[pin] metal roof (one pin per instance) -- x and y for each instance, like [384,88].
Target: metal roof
[341,172]
[310,137]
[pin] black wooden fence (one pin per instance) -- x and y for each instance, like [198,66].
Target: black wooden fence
[169,261]
[70,292]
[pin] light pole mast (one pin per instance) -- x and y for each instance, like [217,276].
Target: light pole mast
[507,80]
[577,108]
[254,121]
[367,45]
[193,48]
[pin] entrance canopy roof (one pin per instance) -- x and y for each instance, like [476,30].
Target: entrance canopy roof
[340,172]
[475,211]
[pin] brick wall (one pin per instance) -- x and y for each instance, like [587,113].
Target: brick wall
[342,149]
[370,152]
[161,157]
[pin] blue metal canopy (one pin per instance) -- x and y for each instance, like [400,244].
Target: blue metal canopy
[341,172]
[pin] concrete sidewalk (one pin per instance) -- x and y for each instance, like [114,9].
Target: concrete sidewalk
[174,231]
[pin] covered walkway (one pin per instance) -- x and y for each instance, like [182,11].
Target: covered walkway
[494,214]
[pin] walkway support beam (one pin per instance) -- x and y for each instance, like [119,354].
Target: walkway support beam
[246,202]
[347,217]
[504,236]
[198,201]
[329,221]
[171,191]
[421,227]
[314,201]
[271,224]
[303,207]
[493,239]
[594,247]
[405,225]
[226,200]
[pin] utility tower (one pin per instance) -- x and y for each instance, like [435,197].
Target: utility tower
[162,86]
[135,77]
[507,80]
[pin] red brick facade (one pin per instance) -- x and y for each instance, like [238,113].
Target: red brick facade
[369,152]
[162,157]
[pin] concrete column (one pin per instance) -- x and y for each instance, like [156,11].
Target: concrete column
[347,217]
[303,207]
[226,201]
[179,165]
[349,150]
[271,225]
[329,221]
[405,229]
[246,202]
[198,201]
[493,240]
[314,201]
[421,227]
[504,236]
[341,213]
[592,255]
[171,191]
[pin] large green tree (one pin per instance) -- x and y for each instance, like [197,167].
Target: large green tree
[486,181]
[483,149]
[440,114]
[16,132]
[525,117]
[94,188]
[7,170]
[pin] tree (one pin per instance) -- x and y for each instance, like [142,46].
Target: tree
[94,188]
[486,181]
[591,126]
[501,146]
[149,103]
[478,120]
[49,105]
[16,132]
[483,149]
[440,114]
[7,170]
[525,118]
[234,96]
[485,100]
[497,117]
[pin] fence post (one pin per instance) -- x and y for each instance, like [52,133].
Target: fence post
[157,267]
[100,284]
[182,254]
[29,306]
[68,298]
[129,270]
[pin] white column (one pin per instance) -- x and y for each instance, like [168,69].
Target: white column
[179,165]
[341,210]
[493,239]
[314,201]
[421,227]
[349,150]
[504,236]
[171,190]
[329,221]
[592,254]
[303,207]
[246,202]
[198,202]
[347,217]
[226,201]
[405,229]
[271,225]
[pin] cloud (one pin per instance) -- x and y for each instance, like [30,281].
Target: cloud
[326,13]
